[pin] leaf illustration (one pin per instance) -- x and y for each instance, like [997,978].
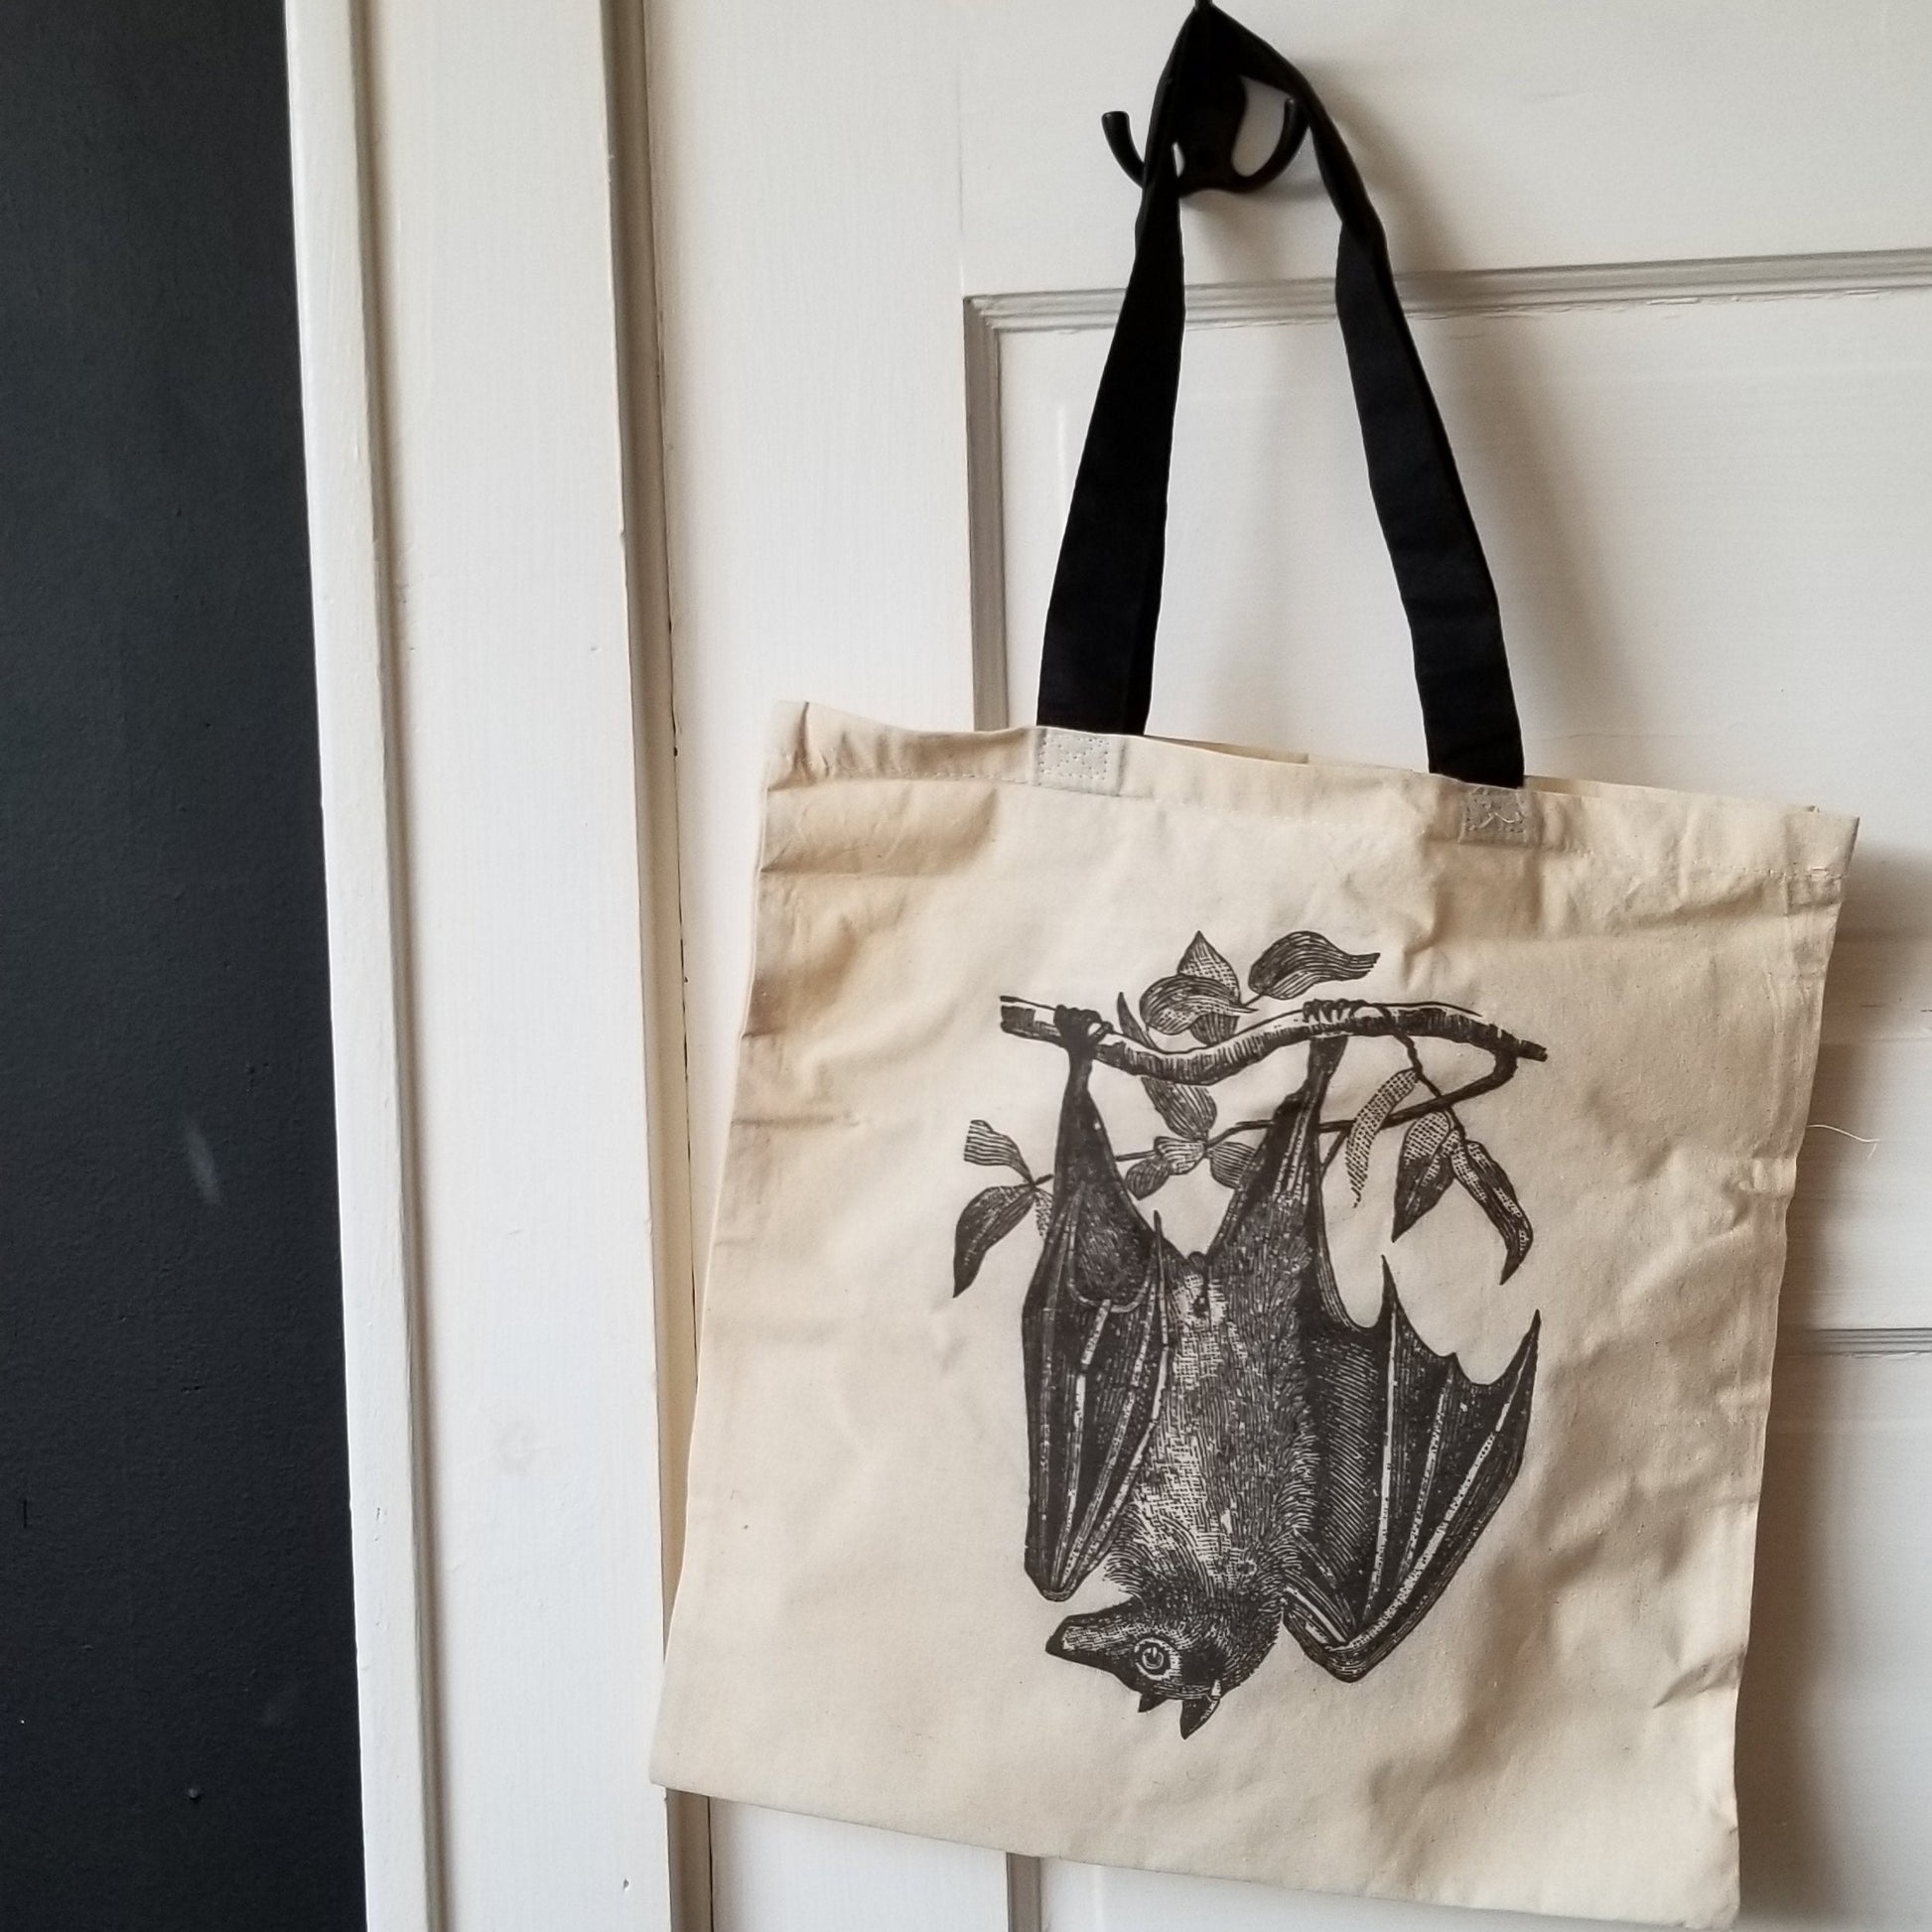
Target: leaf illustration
[1373,1116]
[1214,1028]
[1129,1025]
[1202,962]
[1189,1111]
[1173,1005]
[1043,1205]
[1489,1187]
[1179,1156]
[1143,1177]
[988,1217]
[1229,1162]
[1422,1170]
[987,1146]
[1304,959]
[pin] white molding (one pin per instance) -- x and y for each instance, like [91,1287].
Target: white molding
[1026,1895]
[986,510]
[661,941]
[1856,1341]
[1493,291]
[529,1044]
[354,676]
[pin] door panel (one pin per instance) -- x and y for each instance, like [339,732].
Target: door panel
[1674,275]
[1704,519]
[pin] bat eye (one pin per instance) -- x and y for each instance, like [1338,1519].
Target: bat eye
[1153,1658]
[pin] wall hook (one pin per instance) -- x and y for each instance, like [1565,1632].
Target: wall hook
[1199,108]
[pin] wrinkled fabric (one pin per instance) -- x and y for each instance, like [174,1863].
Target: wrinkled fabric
[854,1633]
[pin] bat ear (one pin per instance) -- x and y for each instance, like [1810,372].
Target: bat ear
[1151,1700]
[1196,1712]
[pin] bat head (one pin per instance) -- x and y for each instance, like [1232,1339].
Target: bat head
[1191,1651]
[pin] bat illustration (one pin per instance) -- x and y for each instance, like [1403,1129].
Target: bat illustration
[1224,1437]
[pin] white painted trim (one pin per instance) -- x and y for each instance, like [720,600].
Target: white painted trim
[515,773]
[341,402]
[1494,291]
[1026,1895]
[493,677]
[1856,1341]
[986,324]
[675,1262]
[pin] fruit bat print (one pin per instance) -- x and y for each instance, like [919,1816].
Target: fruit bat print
[1216,1431]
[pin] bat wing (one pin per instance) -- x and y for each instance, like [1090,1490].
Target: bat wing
[1399,1458]
[1270,1257]
[1095,1335]
[1417,1457]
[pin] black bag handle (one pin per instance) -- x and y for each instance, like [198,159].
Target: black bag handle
[1097,667]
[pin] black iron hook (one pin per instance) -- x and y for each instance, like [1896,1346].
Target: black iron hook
[1199,108]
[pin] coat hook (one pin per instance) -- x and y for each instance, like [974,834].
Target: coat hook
[1201,99]
[1114,127]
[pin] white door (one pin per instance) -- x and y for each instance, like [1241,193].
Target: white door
[1672,268]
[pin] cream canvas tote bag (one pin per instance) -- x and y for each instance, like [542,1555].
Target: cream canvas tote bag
[1239,1324]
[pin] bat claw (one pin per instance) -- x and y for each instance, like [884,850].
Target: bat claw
[1081,1031]
[1327,1012]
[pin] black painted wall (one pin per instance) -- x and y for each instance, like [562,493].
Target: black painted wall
[178,1743]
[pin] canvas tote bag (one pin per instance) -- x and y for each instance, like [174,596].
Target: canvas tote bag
[1240,1318]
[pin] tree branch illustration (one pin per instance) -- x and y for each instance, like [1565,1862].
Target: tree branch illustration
[1319,1019]
[1435,1147]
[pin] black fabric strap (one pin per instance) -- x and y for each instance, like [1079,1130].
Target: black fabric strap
[1097,668]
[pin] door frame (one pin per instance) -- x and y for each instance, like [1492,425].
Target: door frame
[439,437]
